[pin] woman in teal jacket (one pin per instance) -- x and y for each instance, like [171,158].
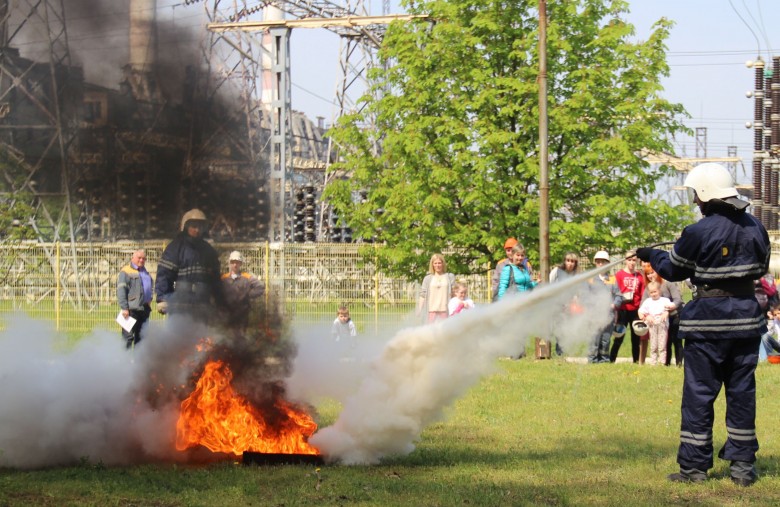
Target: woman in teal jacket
[515,274]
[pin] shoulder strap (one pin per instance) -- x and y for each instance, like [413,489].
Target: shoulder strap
[512,280]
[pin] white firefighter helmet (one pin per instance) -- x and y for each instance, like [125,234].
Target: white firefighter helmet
[640,328]
[193,214]
[235,255]
[601,255]
[618,331]
[711,181]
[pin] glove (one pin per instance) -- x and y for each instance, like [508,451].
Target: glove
[162,307]
[644,254]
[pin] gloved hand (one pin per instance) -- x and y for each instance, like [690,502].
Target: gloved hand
[162,307]
[644,254]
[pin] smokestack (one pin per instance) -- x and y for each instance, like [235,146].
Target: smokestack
[269,91]
[140,70]
[143,35]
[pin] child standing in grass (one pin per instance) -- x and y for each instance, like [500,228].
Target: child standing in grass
[654,313]
[343,328]
[460,299]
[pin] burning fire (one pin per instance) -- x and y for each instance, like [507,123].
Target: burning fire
[218,418]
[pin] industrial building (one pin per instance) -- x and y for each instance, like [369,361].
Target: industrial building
[105,162]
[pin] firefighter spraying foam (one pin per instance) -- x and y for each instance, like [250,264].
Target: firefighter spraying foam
[722,254]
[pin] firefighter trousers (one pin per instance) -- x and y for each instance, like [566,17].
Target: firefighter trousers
[710,365]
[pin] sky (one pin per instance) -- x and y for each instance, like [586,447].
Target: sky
[708,47]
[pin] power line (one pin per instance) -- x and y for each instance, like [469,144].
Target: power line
[713,64]
[758,43]
[329,101]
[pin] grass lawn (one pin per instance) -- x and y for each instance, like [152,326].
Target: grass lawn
[534,433]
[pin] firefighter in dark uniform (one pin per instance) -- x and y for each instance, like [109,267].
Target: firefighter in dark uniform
[722,254]
[188,273]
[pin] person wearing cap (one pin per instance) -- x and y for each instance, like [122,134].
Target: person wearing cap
[242,291]
[599,348]
[508,245]
[188,273]
[722,254]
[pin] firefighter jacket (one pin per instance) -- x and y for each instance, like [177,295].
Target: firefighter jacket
[130,289]
[190,268]
[726,249]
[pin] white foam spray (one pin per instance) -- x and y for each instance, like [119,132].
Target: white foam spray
[423,370]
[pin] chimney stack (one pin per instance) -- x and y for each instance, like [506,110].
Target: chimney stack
[143,35]
[141,69]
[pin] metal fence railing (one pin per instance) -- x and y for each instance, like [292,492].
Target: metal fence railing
[74,284]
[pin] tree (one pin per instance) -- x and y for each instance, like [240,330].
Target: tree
[458,123]
[16,210]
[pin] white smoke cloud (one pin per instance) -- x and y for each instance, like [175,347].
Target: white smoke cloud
[326,369]
[103,403]
[423,370]
[92,402]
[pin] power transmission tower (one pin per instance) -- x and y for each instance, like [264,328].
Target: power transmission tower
[37,124]
[232,75]
[361,36]
[701,142]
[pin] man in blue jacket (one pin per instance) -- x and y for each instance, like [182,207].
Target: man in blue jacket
[722,254]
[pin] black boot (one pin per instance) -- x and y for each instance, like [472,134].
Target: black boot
[743,473]
[688,475]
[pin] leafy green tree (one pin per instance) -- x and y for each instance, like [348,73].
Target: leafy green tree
[458,164]
[16,210]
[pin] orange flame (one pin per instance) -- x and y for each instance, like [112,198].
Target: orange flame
[218,418]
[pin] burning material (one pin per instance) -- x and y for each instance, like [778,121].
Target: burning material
[259,458]
[99,402]
[218,418]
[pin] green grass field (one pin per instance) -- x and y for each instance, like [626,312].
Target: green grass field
[534,433]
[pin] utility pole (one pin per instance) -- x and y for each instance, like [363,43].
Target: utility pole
[544,184]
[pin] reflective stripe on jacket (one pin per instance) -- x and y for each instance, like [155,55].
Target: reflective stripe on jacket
[722,247]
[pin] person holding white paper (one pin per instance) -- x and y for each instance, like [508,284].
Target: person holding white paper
[134,292]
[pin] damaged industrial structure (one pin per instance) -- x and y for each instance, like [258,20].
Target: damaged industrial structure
[180,128]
